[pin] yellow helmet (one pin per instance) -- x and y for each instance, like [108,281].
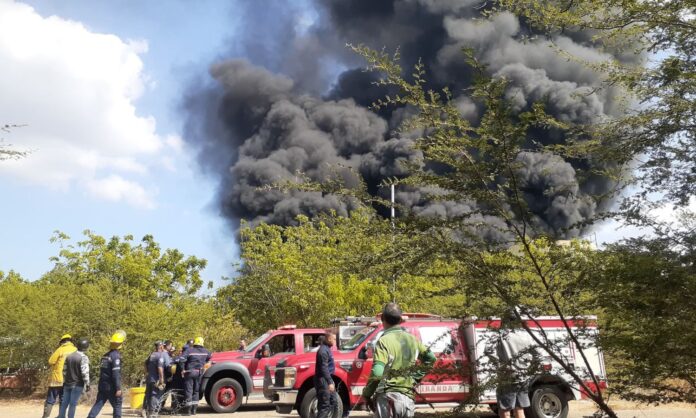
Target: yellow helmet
[118,338]
[66,337]
[198,341]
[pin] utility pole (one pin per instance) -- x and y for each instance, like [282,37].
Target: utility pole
[393,210]
[393,215]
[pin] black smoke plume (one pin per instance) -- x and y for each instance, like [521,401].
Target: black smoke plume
[297,103]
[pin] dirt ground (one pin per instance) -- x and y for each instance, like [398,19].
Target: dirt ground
[259,409]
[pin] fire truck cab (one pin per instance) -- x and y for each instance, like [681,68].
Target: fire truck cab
[234,375]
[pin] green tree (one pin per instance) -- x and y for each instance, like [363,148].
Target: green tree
[97,287]
[482,164]
[329,267]
[143,268]
[645,288]
[643,285]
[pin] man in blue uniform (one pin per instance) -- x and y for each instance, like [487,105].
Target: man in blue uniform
[155,365]
[323,382]
[194,360]
[109,388]
[178,385]
[169,367]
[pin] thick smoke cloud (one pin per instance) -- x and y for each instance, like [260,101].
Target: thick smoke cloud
[298,104]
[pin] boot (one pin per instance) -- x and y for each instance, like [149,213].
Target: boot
[187,411]
[193,409]
[47,410]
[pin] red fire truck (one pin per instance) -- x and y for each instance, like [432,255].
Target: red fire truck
[456,344]
[234,375]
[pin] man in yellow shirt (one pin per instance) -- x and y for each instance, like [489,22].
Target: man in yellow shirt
[56,361]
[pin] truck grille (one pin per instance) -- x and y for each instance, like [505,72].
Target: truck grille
[279,377]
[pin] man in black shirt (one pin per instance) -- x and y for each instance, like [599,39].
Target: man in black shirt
[323,382]
[75,379]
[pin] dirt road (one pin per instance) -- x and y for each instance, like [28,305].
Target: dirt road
[579,409]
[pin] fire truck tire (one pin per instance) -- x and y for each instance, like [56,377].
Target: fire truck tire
[284,409]
[547,401]
[308,407]
[226,395]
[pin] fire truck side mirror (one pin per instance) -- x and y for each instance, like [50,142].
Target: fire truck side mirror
[264,352]
[368,350]
[362,355]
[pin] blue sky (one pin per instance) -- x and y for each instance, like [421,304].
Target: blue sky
[176,200]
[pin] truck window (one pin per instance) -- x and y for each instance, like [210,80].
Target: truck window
[252,347]
[357,339]
[311,342]
[284,343]
[439,339]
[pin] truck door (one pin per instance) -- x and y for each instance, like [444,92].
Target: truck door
[361,368]
[445,383]
[360,372]
[268,354]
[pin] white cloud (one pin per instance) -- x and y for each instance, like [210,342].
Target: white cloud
[175,142]
[116,188]
[74,90]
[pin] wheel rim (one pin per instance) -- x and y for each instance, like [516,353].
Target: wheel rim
[313,408]
[550,405]
[226,396]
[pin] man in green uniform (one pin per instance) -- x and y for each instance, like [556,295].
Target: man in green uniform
[391,387]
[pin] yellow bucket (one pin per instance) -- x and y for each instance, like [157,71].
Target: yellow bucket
[137,396]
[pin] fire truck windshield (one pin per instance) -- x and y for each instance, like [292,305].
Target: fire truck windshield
[358,338]
[251,347]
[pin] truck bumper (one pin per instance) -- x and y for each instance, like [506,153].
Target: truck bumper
[284,400]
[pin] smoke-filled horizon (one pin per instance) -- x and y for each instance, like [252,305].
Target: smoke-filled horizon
[297,103]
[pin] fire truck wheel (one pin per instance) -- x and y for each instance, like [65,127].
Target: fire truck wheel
[308,407]
[226,395]
[548,402]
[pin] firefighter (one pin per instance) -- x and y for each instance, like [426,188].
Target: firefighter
[169,368]
[154,388]
[178,381]
[109,388]
[323,381]
[194,360]
[56,361]
[169,350]
[391,386]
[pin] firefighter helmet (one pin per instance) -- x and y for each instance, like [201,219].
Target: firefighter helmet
[118,337]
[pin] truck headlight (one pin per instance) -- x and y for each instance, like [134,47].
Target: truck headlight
[290,376]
